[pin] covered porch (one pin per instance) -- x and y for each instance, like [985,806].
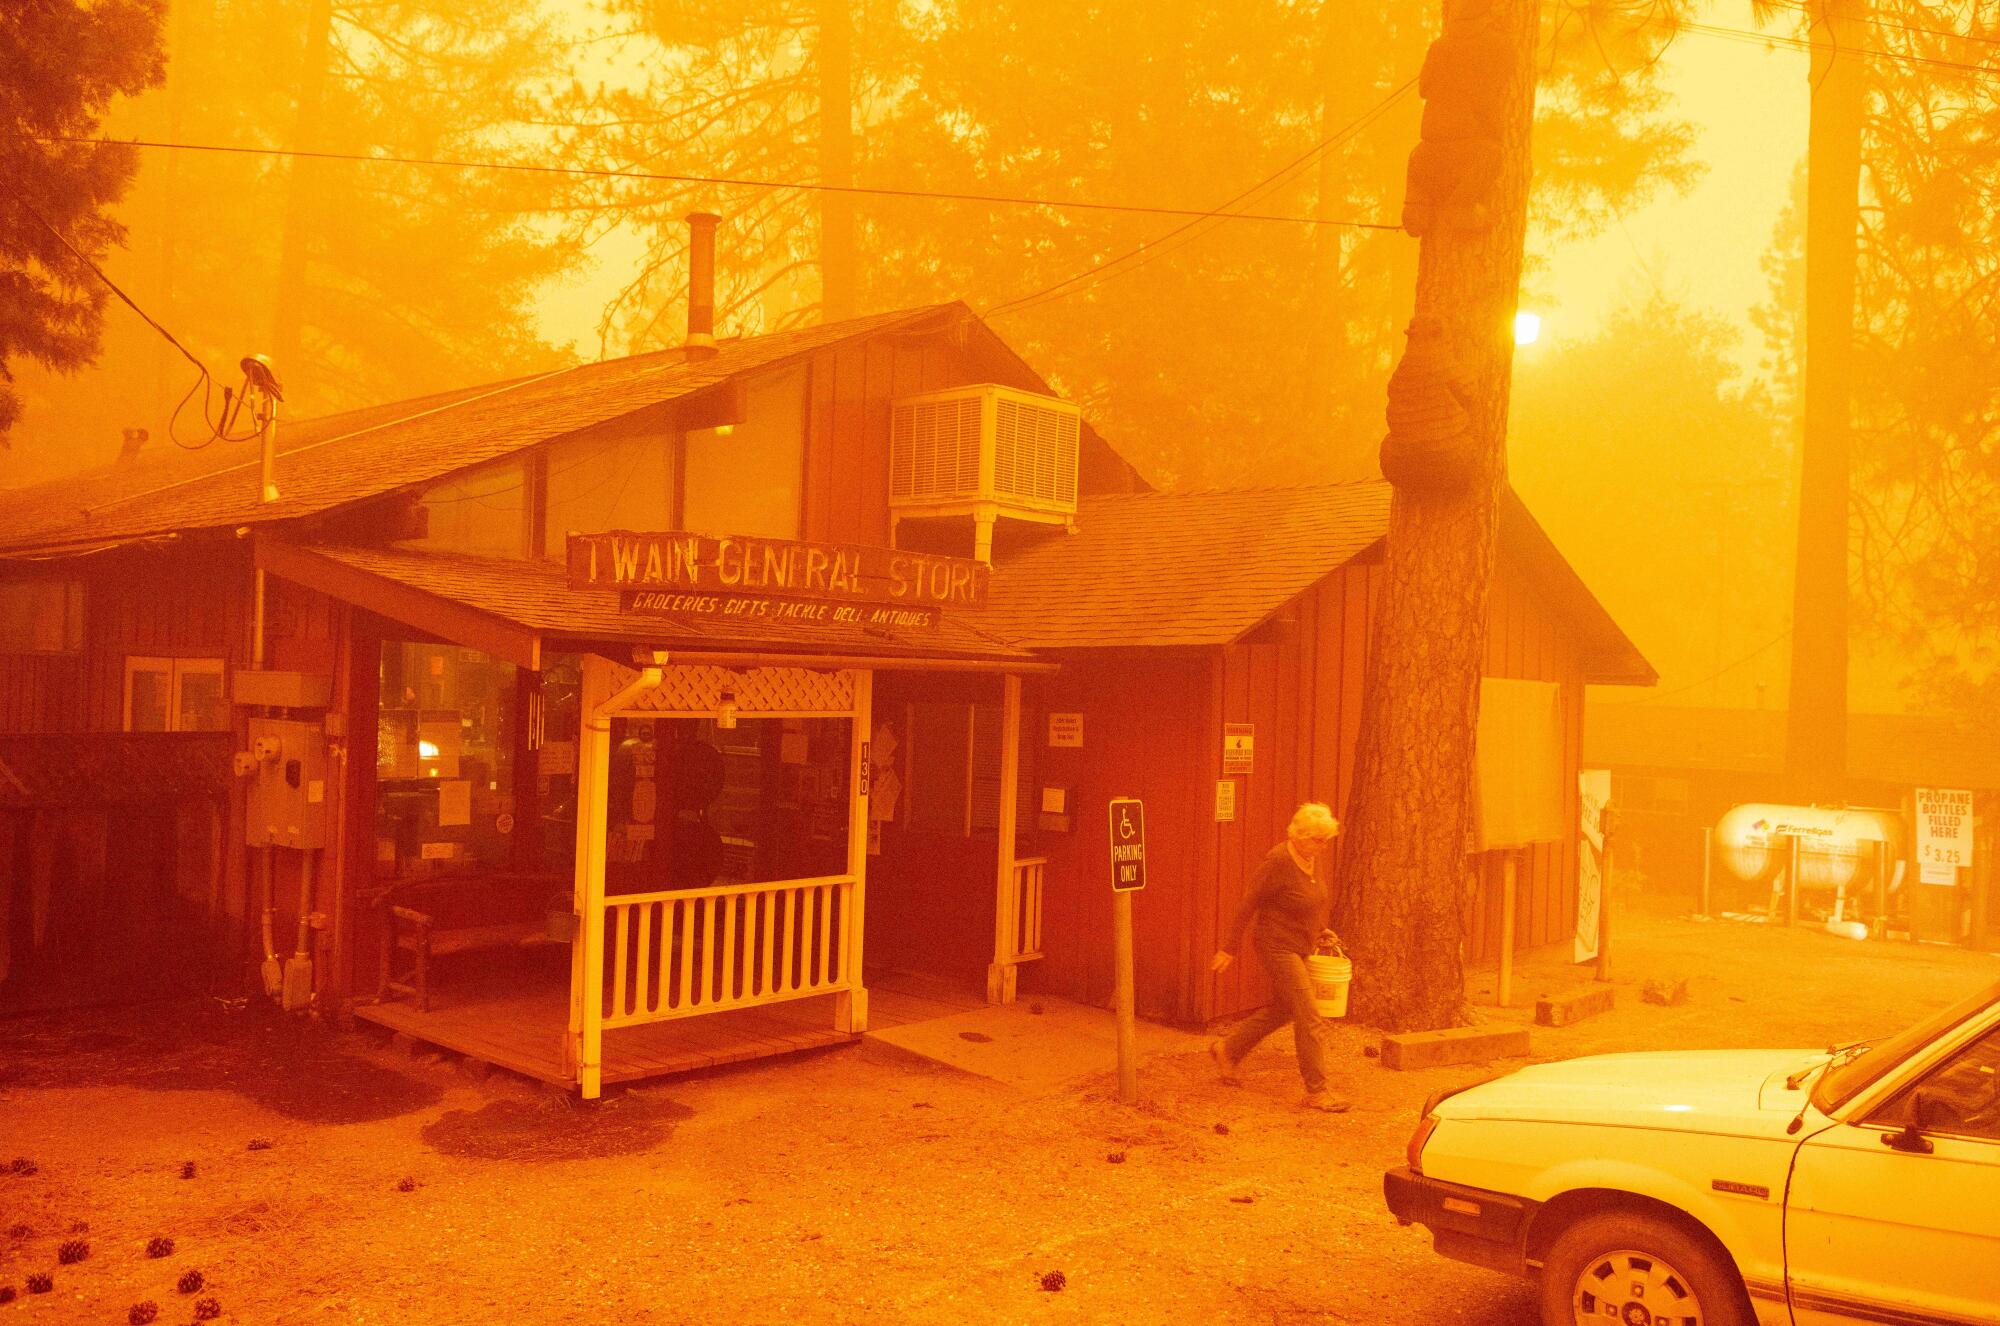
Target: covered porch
[524,1027]
[701,802]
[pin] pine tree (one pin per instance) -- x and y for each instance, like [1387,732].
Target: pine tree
[1406,868]
[62,62]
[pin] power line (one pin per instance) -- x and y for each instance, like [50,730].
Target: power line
[1150,249]
[607,172]
[1890,25]
[87,261]
[203,383]
[1806,44]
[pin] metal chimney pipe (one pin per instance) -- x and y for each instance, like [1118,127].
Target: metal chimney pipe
[701,285]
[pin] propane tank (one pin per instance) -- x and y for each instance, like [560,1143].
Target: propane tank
[1836,843]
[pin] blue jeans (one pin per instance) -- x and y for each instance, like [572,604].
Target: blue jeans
[1291,1001]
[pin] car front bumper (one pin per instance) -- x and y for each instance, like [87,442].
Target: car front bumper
[1468,1224]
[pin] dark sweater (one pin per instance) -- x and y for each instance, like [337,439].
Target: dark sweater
[1289,906]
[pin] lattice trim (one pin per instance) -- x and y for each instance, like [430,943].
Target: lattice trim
[698,690]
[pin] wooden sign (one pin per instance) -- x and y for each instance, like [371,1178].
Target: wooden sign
[751,607]
[755,567]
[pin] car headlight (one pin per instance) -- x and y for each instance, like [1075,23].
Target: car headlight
[1415,1152]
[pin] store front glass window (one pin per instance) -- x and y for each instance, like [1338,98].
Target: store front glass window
[444,761]
[692,804]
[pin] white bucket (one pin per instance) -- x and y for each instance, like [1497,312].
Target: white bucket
[1329,977]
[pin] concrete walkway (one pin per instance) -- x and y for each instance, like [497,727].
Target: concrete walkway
[1035,1051]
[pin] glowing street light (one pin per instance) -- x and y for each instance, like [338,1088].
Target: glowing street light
[1527,328]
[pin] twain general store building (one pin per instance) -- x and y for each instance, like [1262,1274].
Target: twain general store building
[656,713]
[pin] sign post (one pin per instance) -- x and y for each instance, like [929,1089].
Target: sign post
[1128,876]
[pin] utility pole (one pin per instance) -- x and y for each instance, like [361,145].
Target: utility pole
[1445,455]
[836,159]
[1816,726]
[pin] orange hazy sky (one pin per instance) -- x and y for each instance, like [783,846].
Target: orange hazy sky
[1747,104]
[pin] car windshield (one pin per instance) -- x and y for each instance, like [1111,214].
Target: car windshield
[1865,1062]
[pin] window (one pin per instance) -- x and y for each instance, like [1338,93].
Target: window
[1961,1095]
[954,769]
[41,616]
[175,695]
[690,804]
[444,760]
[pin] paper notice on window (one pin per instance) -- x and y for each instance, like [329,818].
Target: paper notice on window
[454,803]
[556,758]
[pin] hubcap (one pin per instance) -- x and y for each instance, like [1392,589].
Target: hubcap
[1633,1289]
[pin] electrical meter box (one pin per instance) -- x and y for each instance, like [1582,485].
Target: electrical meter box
[288,791]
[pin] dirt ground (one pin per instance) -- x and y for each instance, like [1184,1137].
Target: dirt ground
[335,1181]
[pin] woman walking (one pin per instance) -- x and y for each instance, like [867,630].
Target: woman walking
[1287,902]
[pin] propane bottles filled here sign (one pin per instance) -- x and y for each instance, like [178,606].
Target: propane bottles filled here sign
[752,577]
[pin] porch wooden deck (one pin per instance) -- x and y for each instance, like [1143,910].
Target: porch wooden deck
[521,1028]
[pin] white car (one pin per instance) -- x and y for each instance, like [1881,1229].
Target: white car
[1854,1185]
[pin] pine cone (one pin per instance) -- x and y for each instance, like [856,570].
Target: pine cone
[159,1246]
[41,1282]
[72,1252]
[1053,1282]
[21,1165]
[140,1314]
[20,1231]
[79,1226]
[407,1185]
[187,1169]
[259,1144]
[190,1282]
[207,1309]
[7,1294]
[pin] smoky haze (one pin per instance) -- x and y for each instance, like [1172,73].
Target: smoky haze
[1655,424]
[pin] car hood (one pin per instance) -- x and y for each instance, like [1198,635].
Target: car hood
[1702,1091]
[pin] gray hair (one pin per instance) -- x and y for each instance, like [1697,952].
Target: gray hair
[1313,820]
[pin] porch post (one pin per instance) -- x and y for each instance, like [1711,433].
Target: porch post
[586,961]
[850,1006]
[1001,973]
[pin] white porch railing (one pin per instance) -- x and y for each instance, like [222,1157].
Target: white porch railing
[686,951]
[1028,873]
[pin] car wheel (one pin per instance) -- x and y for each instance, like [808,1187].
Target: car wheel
[1637,1270]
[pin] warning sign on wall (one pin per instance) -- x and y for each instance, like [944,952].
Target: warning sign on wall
[1944,834]
[1239,744]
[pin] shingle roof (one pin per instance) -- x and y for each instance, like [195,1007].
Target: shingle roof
[1179,569]
[536,597]
[387,447]
[1906,750]
[1204,568]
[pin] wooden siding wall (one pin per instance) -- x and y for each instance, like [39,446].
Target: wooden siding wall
[141,601]
[1303,695]
[1142,717]
[1524,640]
[847,440]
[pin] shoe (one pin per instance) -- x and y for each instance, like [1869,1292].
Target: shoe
[1225,1067]
[1325,1100]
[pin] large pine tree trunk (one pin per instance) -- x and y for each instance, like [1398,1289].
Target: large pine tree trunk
[1816,729]
[1405,864]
